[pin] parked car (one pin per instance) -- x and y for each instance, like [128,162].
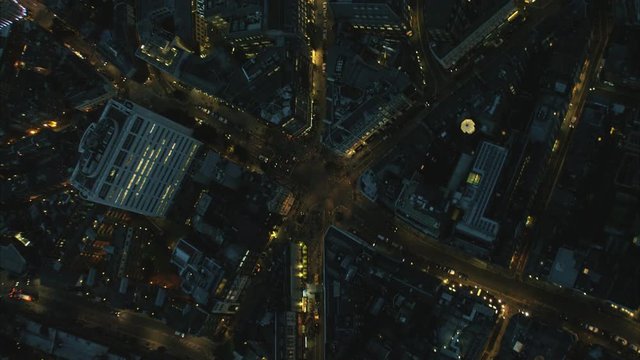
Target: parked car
[620,340]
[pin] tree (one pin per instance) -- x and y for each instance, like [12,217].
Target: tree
[332,167]
[224,351]
[206,133]
[241,153]
[179,95]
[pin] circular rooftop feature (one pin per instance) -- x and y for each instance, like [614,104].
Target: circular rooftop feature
[468,126]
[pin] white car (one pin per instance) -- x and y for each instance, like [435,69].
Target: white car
[204,109]
[620,340]
[592,328]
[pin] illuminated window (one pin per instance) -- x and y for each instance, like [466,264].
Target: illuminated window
[473,178]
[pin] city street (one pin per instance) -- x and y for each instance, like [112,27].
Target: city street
[324,193]
[370,221]
[555,164]
[81,315]
[432,73]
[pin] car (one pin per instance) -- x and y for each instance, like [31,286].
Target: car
[204,109]
[478,59]
[620,340]
[257,269]
[592,328]
[493,42]
[26,297]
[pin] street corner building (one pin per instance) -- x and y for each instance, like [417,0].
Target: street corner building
[10,12]
[133,159]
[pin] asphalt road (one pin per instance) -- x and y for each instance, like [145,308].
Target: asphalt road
[433,74]
[580,91]
[328,192]
[131,328]
[370,221]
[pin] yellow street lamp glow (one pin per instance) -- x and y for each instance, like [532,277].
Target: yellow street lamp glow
[468,126]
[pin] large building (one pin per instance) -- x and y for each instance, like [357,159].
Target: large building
[547,119]
[200,274]
[200,26]
[10,12]
[133,159]
[476,228]
[362,97]
[457,27]
[369,17]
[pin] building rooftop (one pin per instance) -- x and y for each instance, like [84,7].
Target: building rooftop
[160,48]
[628,173]
[421,206]
[116,150]
[564,271]
[627,12]
[218,169]
[365,15]
[461,26]
[363,98]
[11,259]
[62,344]
[200,274]
[367,284]
[528,338]
[546,117]
[464,321]
[478,191]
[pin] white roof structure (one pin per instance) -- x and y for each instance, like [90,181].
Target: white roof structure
[133,159]
[478,191]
